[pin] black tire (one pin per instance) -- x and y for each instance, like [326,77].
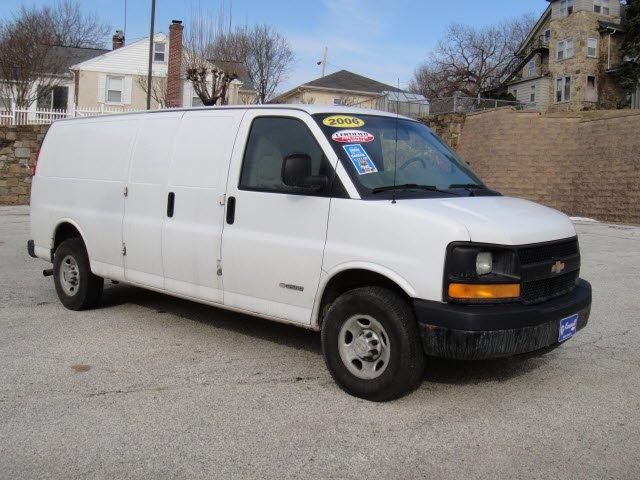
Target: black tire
[406,360]
[89,286]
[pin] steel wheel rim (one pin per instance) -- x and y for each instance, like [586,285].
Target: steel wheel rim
[364,346]
[69,275]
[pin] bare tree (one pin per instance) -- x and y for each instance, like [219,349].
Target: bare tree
[469,60]
[31,62]
[267,57]
[218,53]
[158,88]
[73,27]
[210,52]
[28,56]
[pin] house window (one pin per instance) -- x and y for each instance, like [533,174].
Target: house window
[565,49]
[339,101]
[52,98]
[592,89]
[5,104]
[566,8]
[563,89]
[592,47]
[531,67]
[602,6]
[547,36]
[196,101]
[158,51]
[532,97]
[115,86]
[515,93]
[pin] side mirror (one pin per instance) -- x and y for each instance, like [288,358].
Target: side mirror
[296,173]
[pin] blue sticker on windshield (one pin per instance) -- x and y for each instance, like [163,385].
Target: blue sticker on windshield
[360,159]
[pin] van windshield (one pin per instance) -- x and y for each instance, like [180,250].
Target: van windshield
[418,164]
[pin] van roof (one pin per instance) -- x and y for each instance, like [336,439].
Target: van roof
[310,109]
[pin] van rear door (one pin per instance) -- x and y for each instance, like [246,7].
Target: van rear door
[145,203]
[274,238]
[81,178]
[193,219]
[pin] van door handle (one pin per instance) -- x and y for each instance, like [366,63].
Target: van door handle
[171,199]
[231,210]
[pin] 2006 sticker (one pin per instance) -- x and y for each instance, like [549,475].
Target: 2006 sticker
[343,121]
[352,136]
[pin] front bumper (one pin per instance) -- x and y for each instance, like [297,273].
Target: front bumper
[474,332]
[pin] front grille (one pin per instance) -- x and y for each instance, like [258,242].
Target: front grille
[553,251]
[534,262]
[548,288]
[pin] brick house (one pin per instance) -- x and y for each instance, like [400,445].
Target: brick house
[569,59]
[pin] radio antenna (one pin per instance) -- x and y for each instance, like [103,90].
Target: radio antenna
[395,153]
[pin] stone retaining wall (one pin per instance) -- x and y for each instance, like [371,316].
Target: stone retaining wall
[447,126]
[18,149]
[585,164]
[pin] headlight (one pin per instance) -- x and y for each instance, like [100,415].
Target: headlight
[484,263]
[481,273]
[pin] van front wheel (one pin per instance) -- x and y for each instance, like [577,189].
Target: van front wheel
[76,286]
[371,344]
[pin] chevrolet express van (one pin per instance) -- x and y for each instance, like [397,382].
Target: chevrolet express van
[357,223]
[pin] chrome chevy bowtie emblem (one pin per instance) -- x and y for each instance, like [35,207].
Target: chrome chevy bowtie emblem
[557,267]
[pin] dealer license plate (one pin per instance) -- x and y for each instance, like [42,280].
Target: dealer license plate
[568,327]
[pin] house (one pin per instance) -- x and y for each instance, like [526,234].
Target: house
[118,78]
[569,59]
[350,89]
[61,95]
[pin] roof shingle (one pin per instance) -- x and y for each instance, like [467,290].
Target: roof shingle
[345,80]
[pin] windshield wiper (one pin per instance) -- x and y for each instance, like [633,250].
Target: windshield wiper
[409,186]
[468,185]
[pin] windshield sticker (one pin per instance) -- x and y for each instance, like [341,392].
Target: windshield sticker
[343,121]
[352,136]
[360,159]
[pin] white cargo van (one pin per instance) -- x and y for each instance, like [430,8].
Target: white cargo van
[357,223]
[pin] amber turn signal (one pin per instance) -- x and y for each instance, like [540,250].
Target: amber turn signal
[483,291]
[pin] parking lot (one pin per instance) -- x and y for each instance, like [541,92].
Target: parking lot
[149,386]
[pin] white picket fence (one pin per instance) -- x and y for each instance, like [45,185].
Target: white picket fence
[22,116]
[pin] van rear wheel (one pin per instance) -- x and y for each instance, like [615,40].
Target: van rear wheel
[371,344]
[76,286]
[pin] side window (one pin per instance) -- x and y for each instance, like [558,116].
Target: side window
[158,51]
[271,140]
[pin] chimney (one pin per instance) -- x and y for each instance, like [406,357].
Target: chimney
[118,39]
[174,90]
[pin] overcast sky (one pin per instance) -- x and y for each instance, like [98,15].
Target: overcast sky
[382,39]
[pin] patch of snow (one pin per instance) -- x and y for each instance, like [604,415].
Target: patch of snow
[583,220]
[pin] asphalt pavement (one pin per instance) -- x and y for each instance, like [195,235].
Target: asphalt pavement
[149,386]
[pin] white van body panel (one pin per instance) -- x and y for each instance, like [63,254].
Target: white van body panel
[276,242]
[502,220]
[145,205]
[198,177]
[85,182]
[402,239]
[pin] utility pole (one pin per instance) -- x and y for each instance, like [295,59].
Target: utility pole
[324,60]
[151,34]
[125,18]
